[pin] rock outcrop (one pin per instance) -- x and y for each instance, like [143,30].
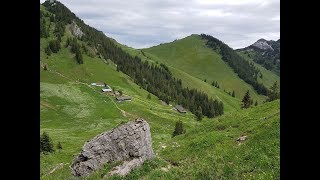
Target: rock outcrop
[75,30]
[262,44]
[130,143]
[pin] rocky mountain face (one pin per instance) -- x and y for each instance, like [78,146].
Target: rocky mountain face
[130,143]
[75,29]
[263,45]
[265,53]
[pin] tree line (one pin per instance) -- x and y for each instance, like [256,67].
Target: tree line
[245,70]
[157,79]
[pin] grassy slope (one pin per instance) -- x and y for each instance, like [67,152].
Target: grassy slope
[230,103]
[211,151]
[72,112]
[268,78]
[192,56]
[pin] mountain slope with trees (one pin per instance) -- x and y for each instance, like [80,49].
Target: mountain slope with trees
[72,111]
[155,79]
[191,55]
[265,53]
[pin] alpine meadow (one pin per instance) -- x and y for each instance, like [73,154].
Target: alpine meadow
[192,108]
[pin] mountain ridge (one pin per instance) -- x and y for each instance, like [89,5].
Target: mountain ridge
[265,53]
[73,111]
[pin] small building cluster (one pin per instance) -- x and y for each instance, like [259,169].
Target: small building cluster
[123,98]
[106,89]
[99,84]
[109,91]
[180,109]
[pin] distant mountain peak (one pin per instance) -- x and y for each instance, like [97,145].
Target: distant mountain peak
[262,40]
[262,44]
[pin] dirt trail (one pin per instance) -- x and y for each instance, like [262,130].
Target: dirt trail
[59,166]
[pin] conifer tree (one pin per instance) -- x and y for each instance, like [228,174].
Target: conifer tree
[198,113]
[273,93]
[48,51]
[178,129]
[246,101]
[59,146]
[256,103]
[233,94]
[46,144]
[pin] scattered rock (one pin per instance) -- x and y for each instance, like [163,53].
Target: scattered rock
[163,146]
[126,167]
[130,143]
[175,144]
[242,138]
[164,169]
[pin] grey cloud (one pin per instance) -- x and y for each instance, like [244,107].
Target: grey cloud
[144,23]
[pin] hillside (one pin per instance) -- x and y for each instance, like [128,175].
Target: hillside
[266,77]
[190,55]
[213,151]
[265,53]
[72,111]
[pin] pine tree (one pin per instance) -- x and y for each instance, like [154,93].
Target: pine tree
[43,29]
[149,96]
[198,113]
[233,94]
[79,57]
[178,129]
[256,103]
[220,108]
[273,93]
[59,146]
[46,144]
[246,101]
[48,50]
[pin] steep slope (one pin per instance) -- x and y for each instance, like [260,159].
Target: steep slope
[191,56]
[265,53]
[266,77]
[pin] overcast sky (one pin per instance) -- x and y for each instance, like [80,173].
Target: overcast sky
[145,23]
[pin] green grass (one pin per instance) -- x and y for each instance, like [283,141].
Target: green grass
[73,112]
[191,56]
[210,151]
